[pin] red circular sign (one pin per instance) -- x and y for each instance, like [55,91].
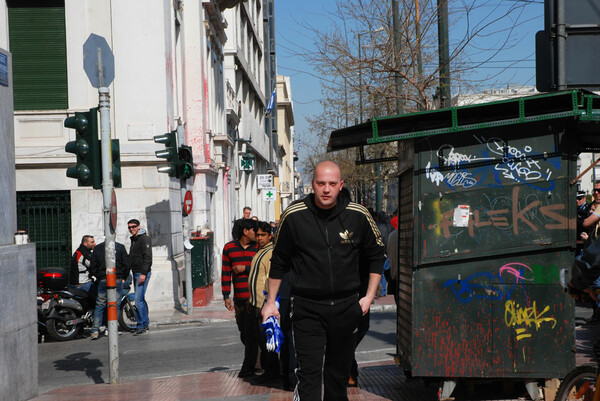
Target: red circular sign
[188,202]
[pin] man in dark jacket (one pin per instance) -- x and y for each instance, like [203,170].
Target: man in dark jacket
[235,231]
[80,263]
[140,258]
[323,240]
[98,270]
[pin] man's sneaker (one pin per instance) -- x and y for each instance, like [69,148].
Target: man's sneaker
[94,335]
[138,332]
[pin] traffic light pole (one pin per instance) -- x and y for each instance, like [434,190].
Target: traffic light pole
[109,241]
[187,257]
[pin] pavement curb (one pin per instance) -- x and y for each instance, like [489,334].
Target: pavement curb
[179,318]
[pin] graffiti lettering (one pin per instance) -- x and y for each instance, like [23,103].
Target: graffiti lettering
[455,158]
[516,165]
[460,179]
[516,315]
[479,285]
[434,175]
[517,217]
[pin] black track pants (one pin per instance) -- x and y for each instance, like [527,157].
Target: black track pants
[324,331]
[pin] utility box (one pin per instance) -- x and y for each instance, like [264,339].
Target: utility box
[202,270]
[487,229]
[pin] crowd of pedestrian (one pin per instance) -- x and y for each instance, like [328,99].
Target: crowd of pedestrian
[88,273]
[317,271]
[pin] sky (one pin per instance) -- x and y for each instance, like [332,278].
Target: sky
[514,65]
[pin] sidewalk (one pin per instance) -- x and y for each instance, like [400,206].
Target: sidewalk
[377,381]
[216,312]
[381,381]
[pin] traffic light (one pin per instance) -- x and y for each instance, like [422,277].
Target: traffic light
[86,147]
[185,165]
[115,151]
[169,153]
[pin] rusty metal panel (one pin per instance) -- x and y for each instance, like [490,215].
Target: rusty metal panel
[492,195]
[494,224]
[502,317]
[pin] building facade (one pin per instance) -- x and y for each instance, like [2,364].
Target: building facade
[197,65]
[288,176]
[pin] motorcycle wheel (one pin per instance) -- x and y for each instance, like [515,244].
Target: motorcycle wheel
[61,331]
[127,319]
[579,384]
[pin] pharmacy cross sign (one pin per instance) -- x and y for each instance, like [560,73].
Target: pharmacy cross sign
[246,164]
[269,194]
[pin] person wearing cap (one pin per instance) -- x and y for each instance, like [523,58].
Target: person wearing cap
[594,216]
[583,212]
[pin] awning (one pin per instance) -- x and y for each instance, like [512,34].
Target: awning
[580,104]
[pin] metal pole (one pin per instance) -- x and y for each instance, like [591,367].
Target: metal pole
[187,257]
[109,241]
[398,62]
[561,45]
[444,53]
[419,57]
[360,100]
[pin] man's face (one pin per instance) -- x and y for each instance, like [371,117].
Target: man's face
[133,228]
[327,184]
[262,238]
[250,234]
[580,200]
[597,193]
[90,244]
[247,213]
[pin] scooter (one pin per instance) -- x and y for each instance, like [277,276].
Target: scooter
[64,311]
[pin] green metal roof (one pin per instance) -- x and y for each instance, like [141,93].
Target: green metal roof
[576,104]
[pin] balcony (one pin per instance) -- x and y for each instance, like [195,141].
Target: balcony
[232,105]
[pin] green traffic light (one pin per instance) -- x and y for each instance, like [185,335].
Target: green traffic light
[80,148]
[86,147]
[169,153]
[78,122]
[82,173]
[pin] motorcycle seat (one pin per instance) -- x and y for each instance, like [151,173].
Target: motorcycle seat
[77,292]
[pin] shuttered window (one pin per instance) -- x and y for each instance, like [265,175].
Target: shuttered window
[46,215]
[37,41]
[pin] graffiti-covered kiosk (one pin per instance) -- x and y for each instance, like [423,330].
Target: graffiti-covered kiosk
[487,218]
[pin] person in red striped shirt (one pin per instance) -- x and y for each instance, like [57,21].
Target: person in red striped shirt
[237,258]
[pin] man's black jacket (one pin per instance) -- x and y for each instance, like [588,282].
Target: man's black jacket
[74,272]
[98,263]
[140,253]
[324,248]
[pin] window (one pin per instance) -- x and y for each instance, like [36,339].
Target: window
[37,40]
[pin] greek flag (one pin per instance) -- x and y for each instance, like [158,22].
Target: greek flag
[271,102]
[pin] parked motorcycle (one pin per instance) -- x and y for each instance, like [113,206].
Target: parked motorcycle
[63,311]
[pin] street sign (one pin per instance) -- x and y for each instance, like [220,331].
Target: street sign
[98,61]
[247,162]
[113,210]
[188,202]
[264,181]
[269,194]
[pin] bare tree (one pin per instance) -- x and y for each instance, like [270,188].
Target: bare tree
[356,61]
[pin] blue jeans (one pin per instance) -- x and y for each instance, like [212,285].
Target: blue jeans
[89,287]
[101,303]
[383,281]
[141,306]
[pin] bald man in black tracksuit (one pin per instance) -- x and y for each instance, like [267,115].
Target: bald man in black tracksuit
[320,240]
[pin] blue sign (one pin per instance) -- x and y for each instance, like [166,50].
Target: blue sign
[3,69]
